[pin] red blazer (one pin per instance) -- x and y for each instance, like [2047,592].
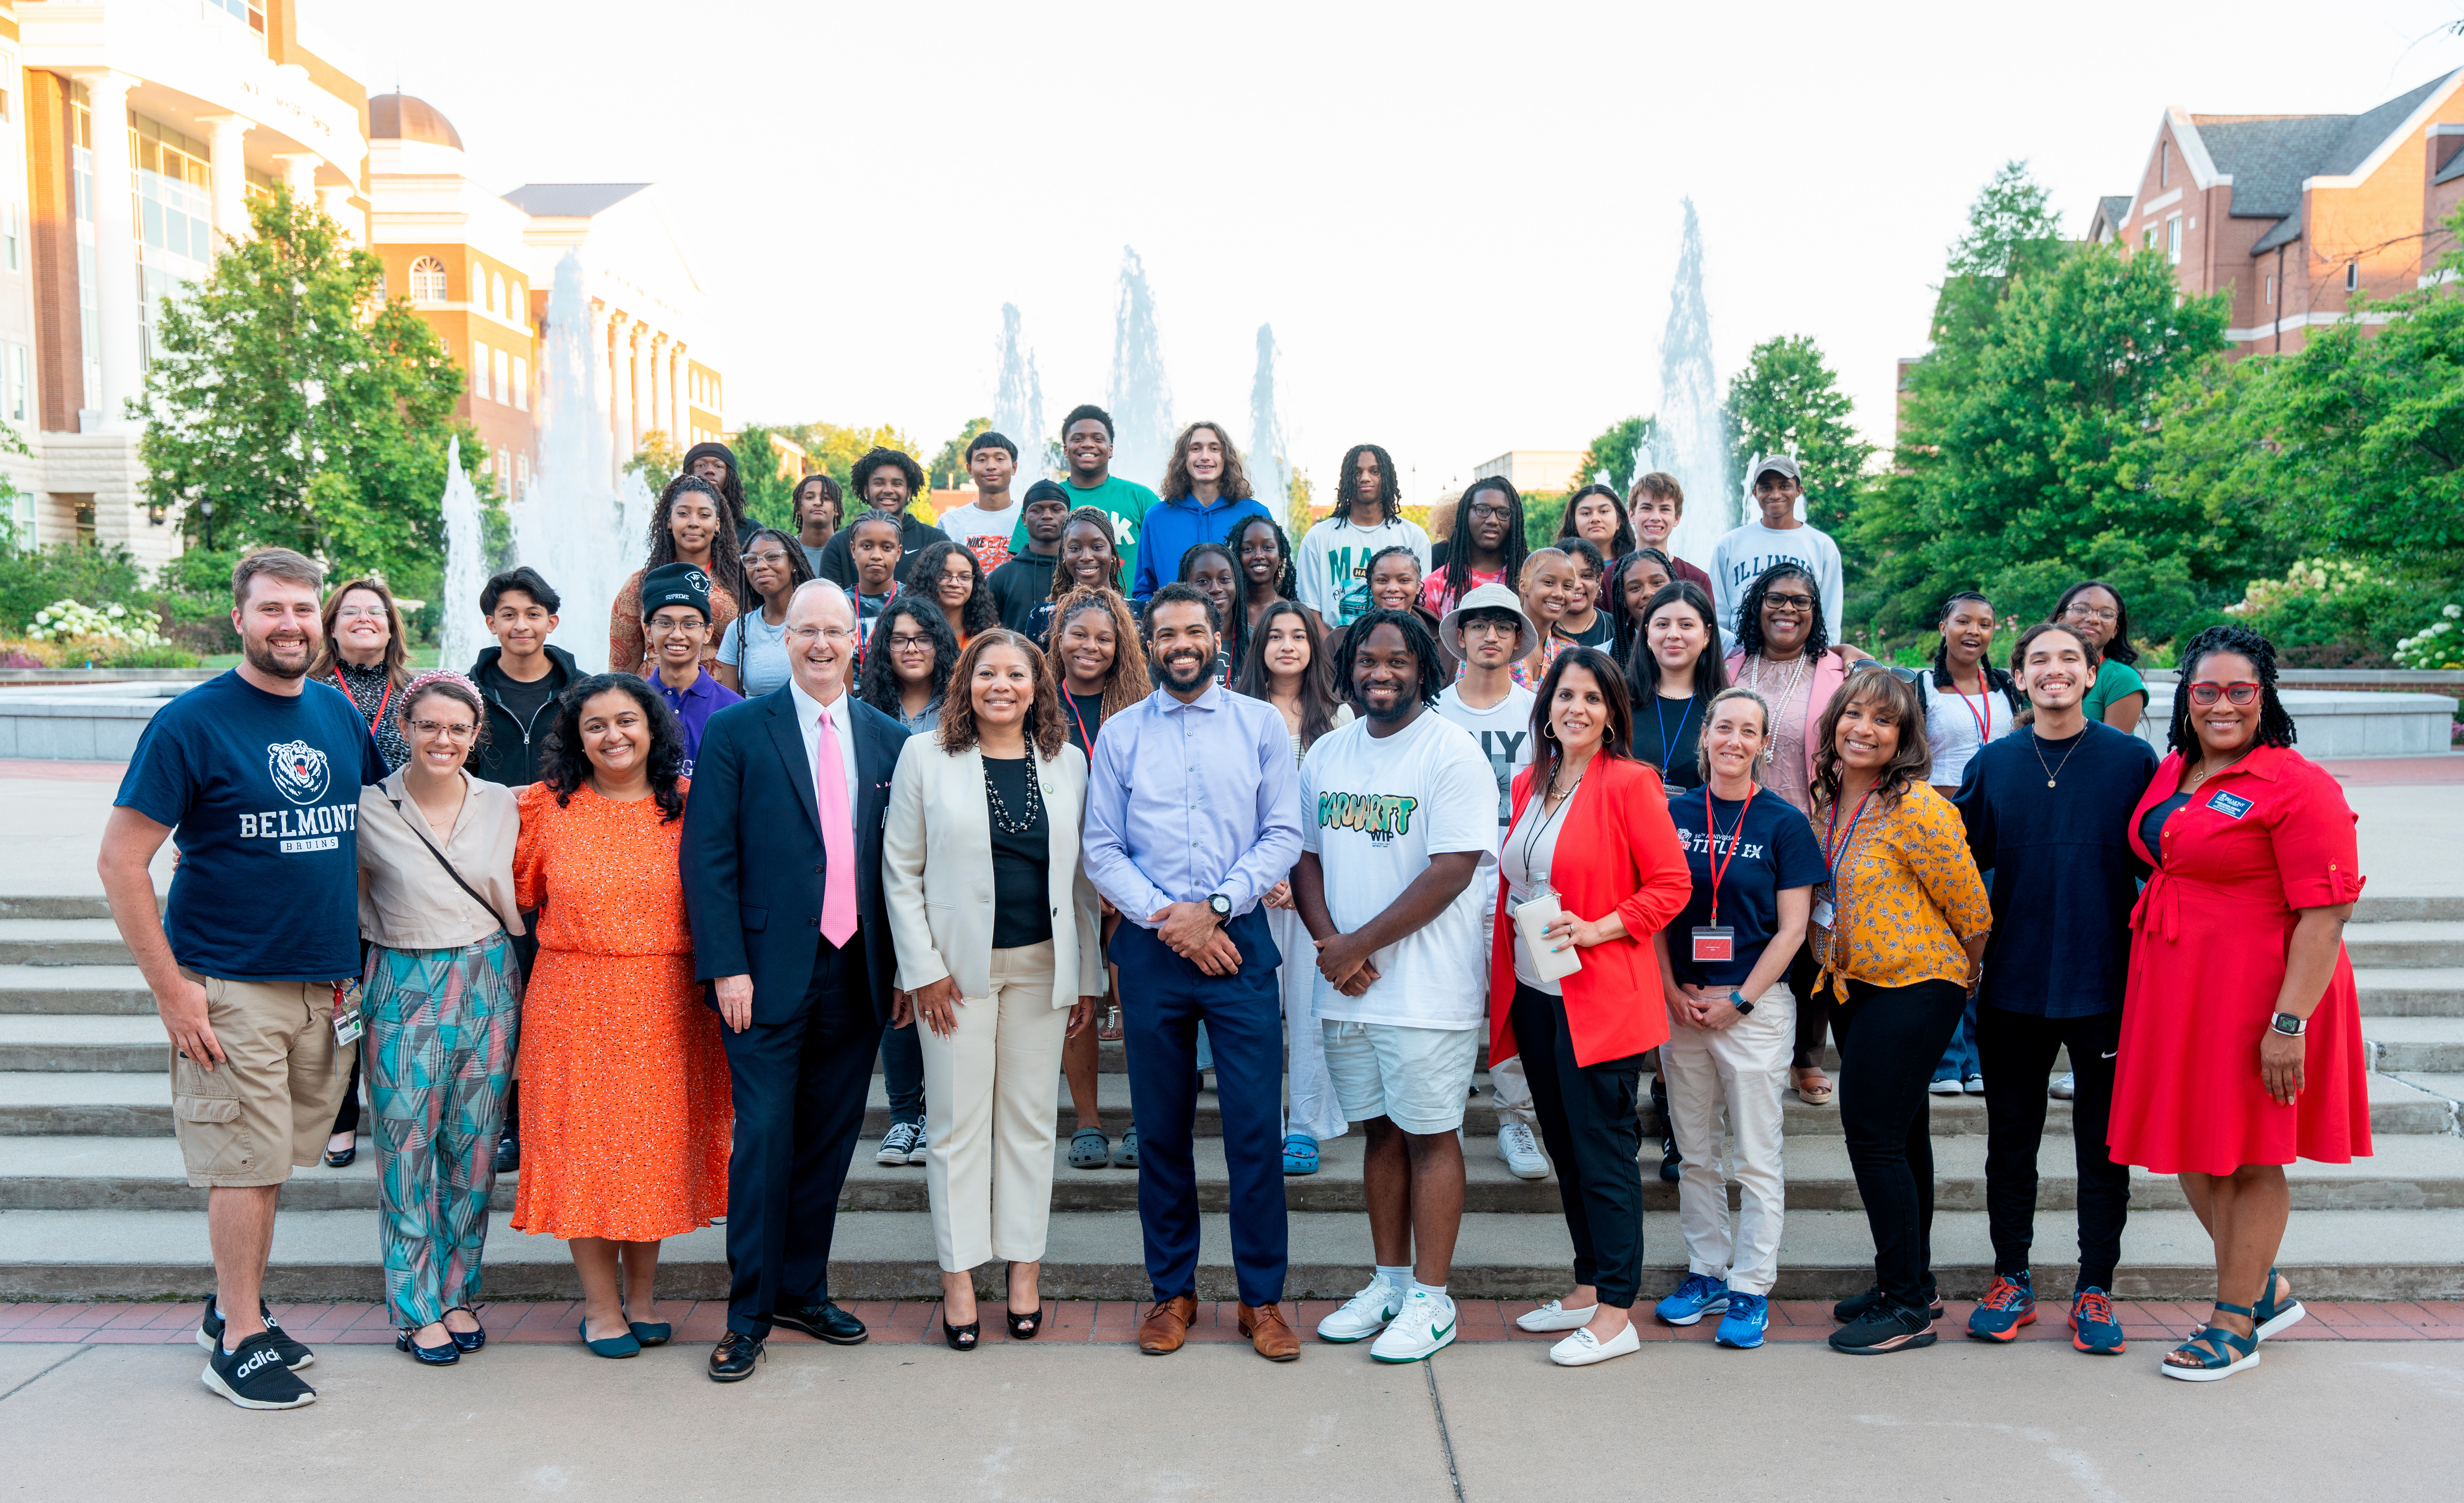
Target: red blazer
[1615,849]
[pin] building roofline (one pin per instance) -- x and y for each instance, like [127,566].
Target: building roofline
[2442,88]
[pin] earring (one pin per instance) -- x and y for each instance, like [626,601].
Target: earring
[1549,729]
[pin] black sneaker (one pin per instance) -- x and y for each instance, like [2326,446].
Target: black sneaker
[254,1377]
[1848,1312]
[509,1154]
[1672,1163]
[1885,1328]
[210,1336]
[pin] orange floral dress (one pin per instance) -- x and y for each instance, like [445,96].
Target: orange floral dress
[626,1109]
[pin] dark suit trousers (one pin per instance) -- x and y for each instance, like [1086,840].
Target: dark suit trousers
[800,1092]
[1163,999]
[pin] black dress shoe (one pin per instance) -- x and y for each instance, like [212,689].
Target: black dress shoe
[825,1320]
[509,1154]
[731,1360]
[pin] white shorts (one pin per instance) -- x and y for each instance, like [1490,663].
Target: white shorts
[1417,1078]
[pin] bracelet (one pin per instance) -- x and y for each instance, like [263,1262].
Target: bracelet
[2289,1025]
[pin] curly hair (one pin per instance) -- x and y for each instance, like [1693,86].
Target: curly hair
[726,558]
[1046,731]
[452,686]
[982,612]
[1234,486]
[1418,639]
[1642,664]
[566,764]
[2118,649]
[1125,684]
[1749,611]
[1317,698]
[1458,565]
[1616,741]
[2274,723]
[1286,579]
[1347,485]
[1620,542]
[397,651]
[878,685]
[879,458]
[1062,584]
[1909,764]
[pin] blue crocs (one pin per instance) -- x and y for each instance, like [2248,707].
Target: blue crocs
[1300,1154]
[1743,1325]
[1698,1296]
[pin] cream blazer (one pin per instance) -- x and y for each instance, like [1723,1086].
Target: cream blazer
[936,864]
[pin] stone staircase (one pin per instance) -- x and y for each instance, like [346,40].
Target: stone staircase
[93,1203]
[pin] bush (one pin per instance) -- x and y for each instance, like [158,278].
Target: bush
[2334,612]
[164,656]
[30,582]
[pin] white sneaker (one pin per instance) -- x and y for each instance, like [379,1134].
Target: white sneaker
[1582,1349]
[1944,1088]
[1974,1085]
[1364,1314]
[1555,1316]
[1520,1148]
[2064,1086]
[1426,1326]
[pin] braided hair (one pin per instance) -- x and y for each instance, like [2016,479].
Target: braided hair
[1347,485]
[2275,724]
[1749,611]
[1418,640]
[1458,568]
[1942,648]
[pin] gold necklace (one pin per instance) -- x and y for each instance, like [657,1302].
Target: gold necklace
[2036,744]
[2199,774]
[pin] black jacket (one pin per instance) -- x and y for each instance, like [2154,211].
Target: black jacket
[914,534]
[510,753]
[1023,583]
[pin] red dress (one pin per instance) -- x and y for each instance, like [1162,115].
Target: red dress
[2267,835]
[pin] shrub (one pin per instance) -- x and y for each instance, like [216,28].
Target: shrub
[114,626]
[2437,644]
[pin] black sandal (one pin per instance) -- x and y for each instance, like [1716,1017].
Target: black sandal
[1022,1328]
[963,1338]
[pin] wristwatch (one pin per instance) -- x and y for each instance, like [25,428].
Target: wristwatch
[2289,1025]
[1219,905]
[1738,999]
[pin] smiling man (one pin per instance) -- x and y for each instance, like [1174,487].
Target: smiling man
[2048,811]
[1086,448]
[1778,536]
[883,480]
[1395,821]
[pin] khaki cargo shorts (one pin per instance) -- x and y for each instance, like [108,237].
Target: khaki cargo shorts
[269,1105]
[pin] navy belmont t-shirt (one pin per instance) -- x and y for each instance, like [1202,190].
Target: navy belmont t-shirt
[1775,850]
[262,795]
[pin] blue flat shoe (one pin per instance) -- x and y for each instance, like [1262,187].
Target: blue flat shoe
[1300,1154]
[625,1345]
[468,1340]
[2271,1315]
[652,1332]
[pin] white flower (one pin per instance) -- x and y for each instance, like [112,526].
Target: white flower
[2450,613]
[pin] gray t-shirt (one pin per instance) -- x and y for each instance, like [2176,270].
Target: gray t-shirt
[757,652]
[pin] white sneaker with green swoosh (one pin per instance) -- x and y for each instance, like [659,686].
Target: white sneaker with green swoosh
[1426,1325]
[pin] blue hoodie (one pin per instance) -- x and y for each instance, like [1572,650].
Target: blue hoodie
[1173,528]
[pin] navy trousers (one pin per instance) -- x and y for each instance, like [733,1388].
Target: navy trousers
[1163,999]
[800,1089]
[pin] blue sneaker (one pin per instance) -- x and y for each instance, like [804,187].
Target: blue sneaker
[1695,1299]
[2009,1304]
[2094,1330]
[1743,1325]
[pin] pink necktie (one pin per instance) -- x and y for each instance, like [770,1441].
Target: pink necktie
[838,840]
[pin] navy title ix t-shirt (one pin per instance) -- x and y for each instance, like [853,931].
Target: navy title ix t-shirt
[262,795]
[1775,850]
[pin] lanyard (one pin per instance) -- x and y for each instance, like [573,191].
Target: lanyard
[1548,817]
[382,699]
[1831,850]
[1667,755]
[1736,837]
[1085,737]
[1982,712]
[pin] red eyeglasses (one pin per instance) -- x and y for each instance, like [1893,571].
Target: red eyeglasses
[2239,694]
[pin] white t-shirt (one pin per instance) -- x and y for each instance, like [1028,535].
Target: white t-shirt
[985,534]
[1504,733]
[1952,727]
[1333,563]
[1375,811]
[1745,551]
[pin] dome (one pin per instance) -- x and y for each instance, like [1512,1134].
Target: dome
[401,117]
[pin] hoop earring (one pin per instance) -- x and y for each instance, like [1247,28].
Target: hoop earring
[1549,729]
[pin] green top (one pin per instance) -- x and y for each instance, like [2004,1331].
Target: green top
[2113,683]
[1124,501]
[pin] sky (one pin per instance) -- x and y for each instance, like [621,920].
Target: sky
[1462,221]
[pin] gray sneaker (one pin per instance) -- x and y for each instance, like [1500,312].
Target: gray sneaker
[2065,1087]
[901,1145]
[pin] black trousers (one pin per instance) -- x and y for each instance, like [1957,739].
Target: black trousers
[1589,1125]
[1890,1038]
[2018,1052]
[800,1091]
[1813,1023]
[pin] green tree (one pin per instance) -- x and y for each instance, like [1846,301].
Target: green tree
[836,449]
[288,404]
[1613,458]
[948,470]
[769,497]
[657,461]
[1788,401]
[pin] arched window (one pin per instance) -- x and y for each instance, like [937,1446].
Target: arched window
[519,309]
[427,279]
[497,302]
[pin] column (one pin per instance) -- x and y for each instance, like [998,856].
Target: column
[335,198]
[679,398]
[628,390]
[229,163]
[642,346]
[114,245]
[663,417]
[299,174]
[603,338]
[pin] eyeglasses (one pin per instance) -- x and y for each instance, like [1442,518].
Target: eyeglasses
[1493,512]
[451,733]
[769,555]
[347,613]
[805,634]
[2241,694]
[1789,602]
[903,643]
[2080,612]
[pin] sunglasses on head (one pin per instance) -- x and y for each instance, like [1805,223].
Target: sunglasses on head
[2237,693]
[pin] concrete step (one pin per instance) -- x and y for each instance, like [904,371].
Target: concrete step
[2412,1046]
[2446,1087]
[2410,993]
[2407,1172]
[35,1041]
[2411,943]
[321,1255]
[92,990]
[61,941]
[57,906]
[2393,907]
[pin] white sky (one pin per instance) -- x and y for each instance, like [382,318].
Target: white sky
[1461,220]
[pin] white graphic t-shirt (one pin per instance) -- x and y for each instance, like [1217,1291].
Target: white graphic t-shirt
[1333,563]
[984,534]
[1504,733]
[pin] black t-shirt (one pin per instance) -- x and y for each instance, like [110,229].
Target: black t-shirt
[1085,713]
[1600,633]
[914,534]
[525,699]
[1775,850]
[2151,824]
[1022,858]
[1669,735]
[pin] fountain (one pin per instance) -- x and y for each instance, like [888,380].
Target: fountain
[1692,441]
[1018,404]
[1267,475]
[1140,398]
[459,634]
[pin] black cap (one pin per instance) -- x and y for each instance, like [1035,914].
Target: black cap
[1046,489]
[676,585]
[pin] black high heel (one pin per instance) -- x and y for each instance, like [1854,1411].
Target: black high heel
[963,1338]
[1022,1328]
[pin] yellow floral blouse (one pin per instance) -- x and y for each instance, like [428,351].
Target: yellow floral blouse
[1904,893]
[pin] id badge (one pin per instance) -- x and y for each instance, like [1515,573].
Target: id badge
[1823,913]
[1714,942]
[348,1026]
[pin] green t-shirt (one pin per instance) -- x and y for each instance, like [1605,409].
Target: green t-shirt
[2113,683]
[1124,501]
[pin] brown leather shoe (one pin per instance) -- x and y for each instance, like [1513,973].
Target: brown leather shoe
[1267,1330]
[1167,1326]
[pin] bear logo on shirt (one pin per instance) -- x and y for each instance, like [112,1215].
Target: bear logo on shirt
[299,771]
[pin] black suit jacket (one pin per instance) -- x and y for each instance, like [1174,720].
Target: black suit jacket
[752,858]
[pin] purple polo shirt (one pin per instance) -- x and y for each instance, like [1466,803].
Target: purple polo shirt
[694,706]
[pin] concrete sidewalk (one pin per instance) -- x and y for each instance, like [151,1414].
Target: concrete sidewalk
[2316,1420]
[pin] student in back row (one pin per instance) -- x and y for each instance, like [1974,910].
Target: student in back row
[1206,494]
[1368,519]
[1087,446]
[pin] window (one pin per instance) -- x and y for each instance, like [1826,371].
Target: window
[2173,240]
[2352,277]
[382,296]
[496,296]
[478,370]
[427,279]
[521,384]
[2163,162]
[23,523]
[504,470]
[2270,300]
[20,372]
[520,308]
[14,231]
[253,11]
[500,377]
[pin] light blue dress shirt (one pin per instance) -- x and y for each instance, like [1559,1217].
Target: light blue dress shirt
[1184,801]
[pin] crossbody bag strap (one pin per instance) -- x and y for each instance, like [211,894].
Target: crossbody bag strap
[448,865]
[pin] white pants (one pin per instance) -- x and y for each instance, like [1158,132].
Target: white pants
[991,1089]
[1312,1107]
[1737,1072]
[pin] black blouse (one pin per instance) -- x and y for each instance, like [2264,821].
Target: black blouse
[1021,858]
[379,702]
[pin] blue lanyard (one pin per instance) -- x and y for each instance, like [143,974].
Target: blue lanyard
[1660,713]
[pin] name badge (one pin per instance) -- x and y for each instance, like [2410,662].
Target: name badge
[347,1023]
[2228,805]
[1823,913]
[1714,942]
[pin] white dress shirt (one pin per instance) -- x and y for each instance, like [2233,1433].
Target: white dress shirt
[808,713]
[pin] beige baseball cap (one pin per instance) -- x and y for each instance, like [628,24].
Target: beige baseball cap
[1488,597]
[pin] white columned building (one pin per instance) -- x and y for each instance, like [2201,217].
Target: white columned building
[116,315]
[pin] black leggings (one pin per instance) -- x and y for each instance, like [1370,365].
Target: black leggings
[2017,1050]
[1589,1125]
[1890,1038]
[1813,1023]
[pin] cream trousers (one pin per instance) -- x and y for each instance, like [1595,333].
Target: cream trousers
[1737,1072]
[991,1089]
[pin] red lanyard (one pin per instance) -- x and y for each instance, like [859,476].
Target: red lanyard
[1736,835]
[382,699]
[1983,717]
[1833,842]
[1085,737]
